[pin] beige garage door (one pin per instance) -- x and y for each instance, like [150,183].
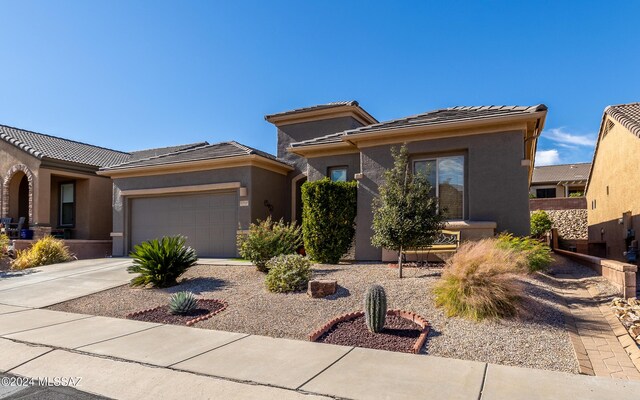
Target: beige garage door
[209,221]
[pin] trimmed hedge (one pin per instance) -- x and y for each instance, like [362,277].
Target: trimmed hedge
[328,219]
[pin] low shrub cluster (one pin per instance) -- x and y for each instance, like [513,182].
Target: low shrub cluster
[537,254]
[160,262]
[288,273]
[478,281]
[540,223]
[45,251]
[267,239]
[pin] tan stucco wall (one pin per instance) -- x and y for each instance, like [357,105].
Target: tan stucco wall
[93,202]
[616,167]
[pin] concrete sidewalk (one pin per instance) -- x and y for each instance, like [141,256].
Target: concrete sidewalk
[52,284]
[128,359]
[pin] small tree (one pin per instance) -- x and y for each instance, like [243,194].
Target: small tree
[328,219]
[405,214]
[540,223]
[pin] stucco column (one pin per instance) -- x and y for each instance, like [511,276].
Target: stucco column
[42,198]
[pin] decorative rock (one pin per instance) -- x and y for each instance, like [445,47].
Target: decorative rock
[628,312]
[322,287]
[571,224]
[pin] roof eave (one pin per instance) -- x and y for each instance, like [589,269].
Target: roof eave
[355,111]
[198,165]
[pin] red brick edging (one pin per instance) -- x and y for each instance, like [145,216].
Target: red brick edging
[191,321]
[411,316]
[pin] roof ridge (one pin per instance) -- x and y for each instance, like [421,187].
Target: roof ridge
[248,150]
[61,138]
[20,144]
[182,151]
[186,145]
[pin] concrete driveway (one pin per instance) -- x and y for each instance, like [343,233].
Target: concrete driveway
[52,284]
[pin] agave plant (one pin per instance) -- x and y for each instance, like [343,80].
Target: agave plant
[160,262]
[182,303]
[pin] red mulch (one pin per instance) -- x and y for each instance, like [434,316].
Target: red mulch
[163,316]
[399,334]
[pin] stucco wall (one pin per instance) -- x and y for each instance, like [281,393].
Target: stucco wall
[496,185]
[288,134]
[261,185]
[614,188]
[319,167]
[268,186]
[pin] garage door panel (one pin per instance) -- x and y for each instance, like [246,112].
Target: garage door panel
[208,221]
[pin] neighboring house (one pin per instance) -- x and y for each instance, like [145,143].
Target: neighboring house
[612,194]
[553,181]
[52,183]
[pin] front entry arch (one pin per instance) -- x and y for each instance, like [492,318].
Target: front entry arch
[17,193]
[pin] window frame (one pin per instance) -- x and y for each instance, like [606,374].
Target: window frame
[336,168]
[60,204]
[437,185]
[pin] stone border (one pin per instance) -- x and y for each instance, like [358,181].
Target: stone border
[411,316]
[191,321]
[624,336]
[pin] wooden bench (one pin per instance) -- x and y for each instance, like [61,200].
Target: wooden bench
[446,242]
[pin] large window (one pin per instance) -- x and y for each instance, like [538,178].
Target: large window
[338,174]
[67,204]
[546,193]
[446,176]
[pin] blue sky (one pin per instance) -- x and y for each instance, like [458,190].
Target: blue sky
[134,74]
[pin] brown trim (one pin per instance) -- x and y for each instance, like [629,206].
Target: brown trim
[252,160]
[180,189]
[356,112]
[325,149]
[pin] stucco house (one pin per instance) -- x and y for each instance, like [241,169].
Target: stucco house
[562,180]
[52,183]
[613,203]
[480,158]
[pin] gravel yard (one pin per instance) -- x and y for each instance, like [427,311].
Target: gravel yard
[536,338]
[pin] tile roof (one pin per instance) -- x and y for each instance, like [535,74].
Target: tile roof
[628,115]
[40,145]
[313,108]
[561,173]
[446,115]
[147,153]
[204,152]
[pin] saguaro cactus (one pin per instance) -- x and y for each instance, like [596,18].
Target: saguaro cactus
[375,308]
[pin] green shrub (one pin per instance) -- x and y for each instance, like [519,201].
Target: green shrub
[328,219]
[375,308]
[45,251]
[160,262]
[478,281]
[576,194]
[540,223]
[267,239]
[182,303]
[538,254]
[288,273]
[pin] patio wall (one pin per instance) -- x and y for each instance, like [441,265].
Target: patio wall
[82,249]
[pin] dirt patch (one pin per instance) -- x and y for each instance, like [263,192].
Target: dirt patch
[399,334]
[206,309]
